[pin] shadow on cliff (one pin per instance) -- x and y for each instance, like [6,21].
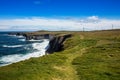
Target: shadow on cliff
[56,43]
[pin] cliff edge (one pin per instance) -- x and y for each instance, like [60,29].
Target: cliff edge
[56,43]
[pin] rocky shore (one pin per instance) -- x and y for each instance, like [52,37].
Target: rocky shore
[55,41]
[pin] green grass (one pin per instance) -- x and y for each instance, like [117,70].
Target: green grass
[86,56]
[34,69]
[99,63]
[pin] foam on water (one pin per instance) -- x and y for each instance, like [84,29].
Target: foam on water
[32,40]
[40,47]
[20,36]
[14,46]
[21,39]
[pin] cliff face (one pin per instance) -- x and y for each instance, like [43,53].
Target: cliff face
[56,43]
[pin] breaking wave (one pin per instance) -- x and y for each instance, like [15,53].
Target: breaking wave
[14,46]
[22,40]
[40,51]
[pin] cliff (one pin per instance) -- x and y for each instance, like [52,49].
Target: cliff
[56,43]
[37,37]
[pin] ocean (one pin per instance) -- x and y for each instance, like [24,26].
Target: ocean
[15,48]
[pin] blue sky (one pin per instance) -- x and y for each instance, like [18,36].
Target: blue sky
[11,10]
[49,8]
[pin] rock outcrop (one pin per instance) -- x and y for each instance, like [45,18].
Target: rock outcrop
[37,37]
[56,43]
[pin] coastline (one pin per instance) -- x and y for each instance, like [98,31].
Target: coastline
[49,44]
[38,46]
[92,55]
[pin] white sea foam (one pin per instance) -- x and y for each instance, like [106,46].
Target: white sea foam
[34,40]
[14,46]
[21,39]
[20,36]
[41,48]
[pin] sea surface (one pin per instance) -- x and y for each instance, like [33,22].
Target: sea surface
[15,48]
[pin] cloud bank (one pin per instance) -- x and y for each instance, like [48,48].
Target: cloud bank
[39,23]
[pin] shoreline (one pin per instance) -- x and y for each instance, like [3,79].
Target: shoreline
[14,58]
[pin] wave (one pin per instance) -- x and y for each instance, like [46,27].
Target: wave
[22,40]
[40,47]
[14,46]
[19,36]
[32,40]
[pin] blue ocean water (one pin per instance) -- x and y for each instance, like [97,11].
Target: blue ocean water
[16,48]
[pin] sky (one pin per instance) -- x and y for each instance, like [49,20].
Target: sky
[32,15]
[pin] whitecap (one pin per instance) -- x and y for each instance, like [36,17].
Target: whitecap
[20,36]
[34,40]
[22,40]
[13,46]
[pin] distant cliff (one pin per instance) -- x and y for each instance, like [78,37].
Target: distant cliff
[37,37]
[29,36]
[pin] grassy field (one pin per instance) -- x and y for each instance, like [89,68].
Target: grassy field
[86,56]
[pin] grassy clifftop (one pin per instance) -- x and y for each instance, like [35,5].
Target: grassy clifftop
[86,56]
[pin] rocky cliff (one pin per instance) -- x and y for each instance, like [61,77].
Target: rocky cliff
[56,43]
[37,37]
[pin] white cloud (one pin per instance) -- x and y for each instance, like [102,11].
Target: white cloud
[39,23]
[93,18]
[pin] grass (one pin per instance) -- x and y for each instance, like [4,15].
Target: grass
[34,69]
[99,63]
[86,56]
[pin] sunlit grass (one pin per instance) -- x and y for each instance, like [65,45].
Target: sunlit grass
[99,63]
